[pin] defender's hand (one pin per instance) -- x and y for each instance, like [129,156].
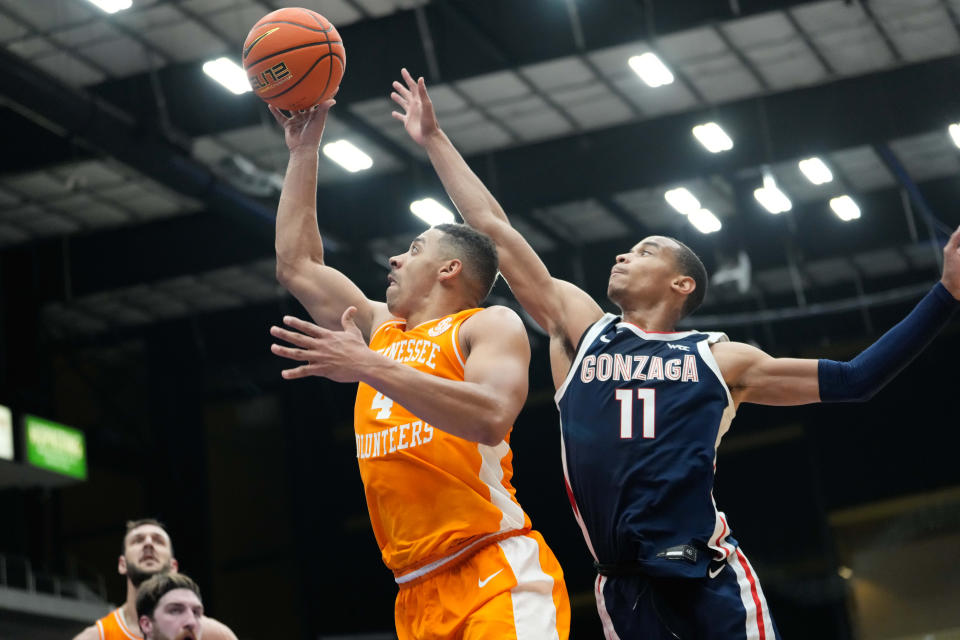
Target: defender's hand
[951,265]
[418,116]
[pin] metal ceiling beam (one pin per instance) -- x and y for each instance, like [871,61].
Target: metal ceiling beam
[76,115]
[190,245]
[377,48]
[864,110]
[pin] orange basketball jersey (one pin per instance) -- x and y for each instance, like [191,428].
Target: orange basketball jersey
[432,496]
[113,627]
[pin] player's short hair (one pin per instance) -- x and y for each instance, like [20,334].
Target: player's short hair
[690,265]
[133,524]
[154,588]
[477,252]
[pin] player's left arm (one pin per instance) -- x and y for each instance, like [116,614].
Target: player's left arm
[480,408]
[215,630]
[754,376]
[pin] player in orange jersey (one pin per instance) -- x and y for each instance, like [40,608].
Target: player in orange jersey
[146,551]
[441,382]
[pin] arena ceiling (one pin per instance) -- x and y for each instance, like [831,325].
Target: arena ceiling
[152,189]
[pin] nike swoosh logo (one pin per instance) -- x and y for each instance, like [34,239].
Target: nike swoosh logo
[714,574]
[263,35]
[483,583]
[604,339]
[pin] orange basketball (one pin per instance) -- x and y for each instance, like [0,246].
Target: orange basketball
[294,58]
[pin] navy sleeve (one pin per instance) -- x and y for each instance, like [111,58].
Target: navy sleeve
[860,378]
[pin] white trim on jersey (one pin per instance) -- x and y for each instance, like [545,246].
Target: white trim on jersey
[455,340]
[662,337]
[587,340]
[608,631]
[721,530]
[122,623]
[718,541]
[534,611]
[704,348]
[491,474]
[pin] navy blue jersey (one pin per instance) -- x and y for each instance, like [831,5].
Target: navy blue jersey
[641,415]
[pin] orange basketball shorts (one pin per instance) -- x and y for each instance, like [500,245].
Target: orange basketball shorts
[509,590]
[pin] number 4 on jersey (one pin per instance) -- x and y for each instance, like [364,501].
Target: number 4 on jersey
[648,398]
[384,404]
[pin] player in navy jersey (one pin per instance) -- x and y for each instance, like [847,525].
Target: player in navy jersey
[643,408]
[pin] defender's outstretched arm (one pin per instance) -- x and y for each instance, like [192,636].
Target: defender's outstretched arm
[559,307]
[754,376]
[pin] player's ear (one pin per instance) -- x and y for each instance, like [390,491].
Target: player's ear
[122,565]
[450,268]
[174,565]
[684,284]
[146,625]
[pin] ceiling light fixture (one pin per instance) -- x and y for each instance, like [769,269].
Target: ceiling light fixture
[713,137]
[954,131]
[816,171]
[112,6]
[431,212]
[347,155]
[682,200]
[228,73]
[651,69]
[845,208]
[771,197]
[704,221]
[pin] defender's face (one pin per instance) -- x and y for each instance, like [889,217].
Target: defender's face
[414,273]
[644,273]
[147,550]
[178,616]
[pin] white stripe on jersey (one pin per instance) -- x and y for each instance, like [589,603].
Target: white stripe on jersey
[738,562]
[767,620]
[608,631]
[491,474]
[718,541]
[534,611]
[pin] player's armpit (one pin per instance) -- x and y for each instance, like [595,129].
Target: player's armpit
[579,310]
[757,377]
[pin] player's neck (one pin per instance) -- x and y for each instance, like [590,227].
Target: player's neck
[655,319]
[435,306]
[129,608]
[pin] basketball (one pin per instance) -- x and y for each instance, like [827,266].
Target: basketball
[294,58]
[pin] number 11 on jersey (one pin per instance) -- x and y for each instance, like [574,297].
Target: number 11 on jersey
[648,398]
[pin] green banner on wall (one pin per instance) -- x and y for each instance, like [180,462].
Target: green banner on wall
[55,447]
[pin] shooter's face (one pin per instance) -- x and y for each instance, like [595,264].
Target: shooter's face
[414,274]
